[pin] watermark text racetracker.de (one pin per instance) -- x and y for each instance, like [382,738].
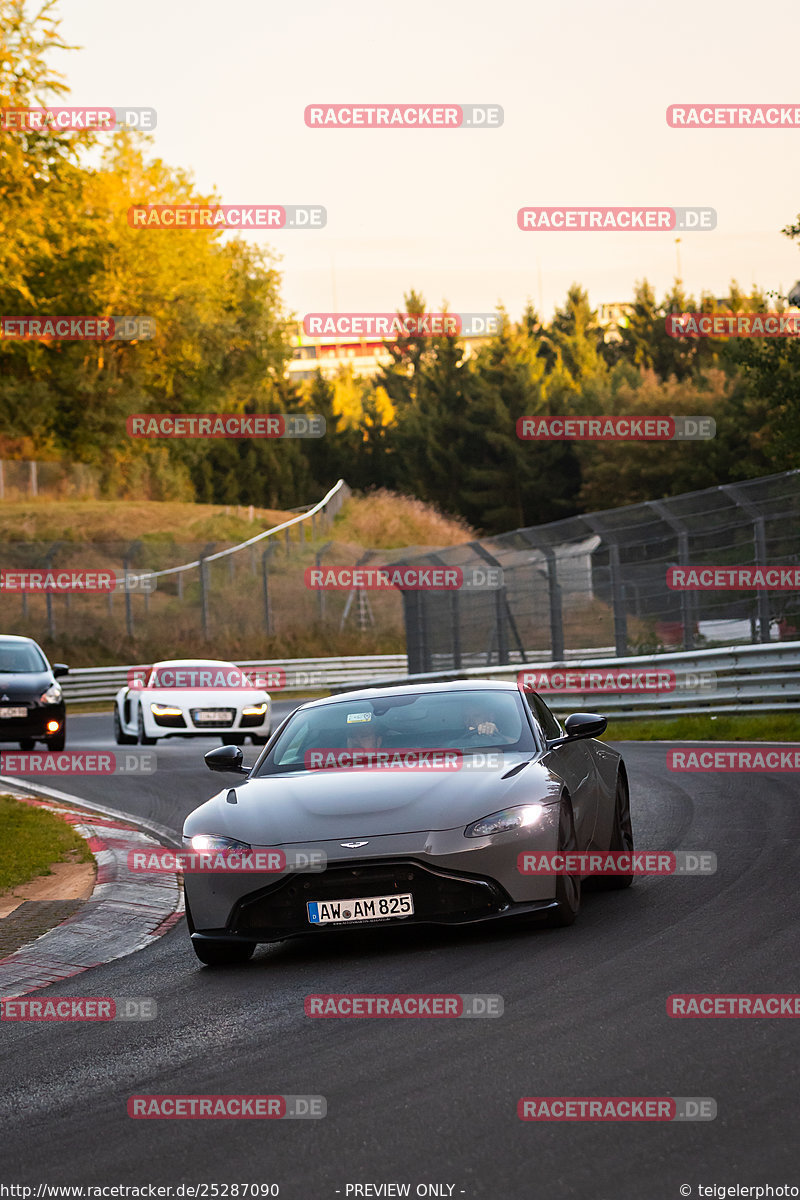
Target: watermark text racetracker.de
[576,680]
[404,578]
[225,425]
[617,862]
[244,860]
[734,578]
[77,762]
[617,1108]
[58,581]
[77,329]
[227,216]
[227,1107]
[384,326]
[732,1005]
[627,219]
[737,325]
[211,677]
[68,120]
[326,758]
[403,1004]
[403,116]
[737,758]
[733,116]
[80,1008]
[616,429]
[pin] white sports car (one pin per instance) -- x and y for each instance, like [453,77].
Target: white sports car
[184,697]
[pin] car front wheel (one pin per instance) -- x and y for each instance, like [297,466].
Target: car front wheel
[621,837]
[144,740]
[568,887]
[120,737]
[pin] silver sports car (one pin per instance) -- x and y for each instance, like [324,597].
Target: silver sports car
[420,801]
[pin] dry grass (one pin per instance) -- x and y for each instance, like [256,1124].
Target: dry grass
[384,520]
[123,520]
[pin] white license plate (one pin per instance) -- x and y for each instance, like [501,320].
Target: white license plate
[13,712]
[211,715]
[349,912]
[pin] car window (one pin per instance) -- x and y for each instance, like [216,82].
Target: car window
[469,720]
[541,712]
[17,658]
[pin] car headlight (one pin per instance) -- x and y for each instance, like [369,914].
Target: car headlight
[507,818]
[52,695]
[165,710]
[207,841]
[255,710]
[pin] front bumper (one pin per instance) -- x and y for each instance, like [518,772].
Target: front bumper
[34,724]
[453,883]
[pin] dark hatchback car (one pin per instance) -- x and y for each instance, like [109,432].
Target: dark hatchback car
[31,704]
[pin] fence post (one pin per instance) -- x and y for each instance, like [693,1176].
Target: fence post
[34,483]
[265,580]
[320,591]
[455,620]
[204,596]
[128,601]
[618,594]
[51,624]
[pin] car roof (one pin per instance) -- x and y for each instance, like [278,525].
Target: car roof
[13,637]
[415,689]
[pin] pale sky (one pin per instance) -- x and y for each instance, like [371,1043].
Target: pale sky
[584,87]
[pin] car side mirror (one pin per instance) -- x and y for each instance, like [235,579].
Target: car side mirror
[226,758]
[580,725]
[60,669]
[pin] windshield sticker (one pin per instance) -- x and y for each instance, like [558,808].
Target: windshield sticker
[357,718]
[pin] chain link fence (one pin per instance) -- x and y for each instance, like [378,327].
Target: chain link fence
[599,582]
[187,592]
[24,479]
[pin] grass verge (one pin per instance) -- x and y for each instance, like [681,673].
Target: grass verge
[32,839]
[763,727]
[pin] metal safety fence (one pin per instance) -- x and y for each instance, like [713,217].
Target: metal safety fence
[153,584]
[733,679]
[602,579]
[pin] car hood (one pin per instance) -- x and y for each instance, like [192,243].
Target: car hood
[311,806]
[24,687]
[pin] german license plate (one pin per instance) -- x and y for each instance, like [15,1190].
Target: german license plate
[13,712]
[350,912]
[211,716]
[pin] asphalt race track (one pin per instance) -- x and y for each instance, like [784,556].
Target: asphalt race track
[434,1101]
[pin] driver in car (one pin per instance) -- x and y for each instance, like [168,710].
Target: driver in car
[479,724]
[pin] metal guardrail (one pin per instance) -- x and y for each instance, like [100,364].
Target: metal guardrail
[97,684]
[731,679]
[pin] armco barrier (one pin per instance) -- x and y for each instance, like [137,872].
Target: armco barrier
[747,679]
[92,685]
[759,678]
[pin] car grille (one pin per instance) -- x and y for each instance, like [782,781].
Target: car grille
[223,721]
[438,896]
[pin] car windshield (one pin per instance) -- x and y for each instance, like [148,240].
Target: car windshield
[20,658]
[466,721]
[198,675]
